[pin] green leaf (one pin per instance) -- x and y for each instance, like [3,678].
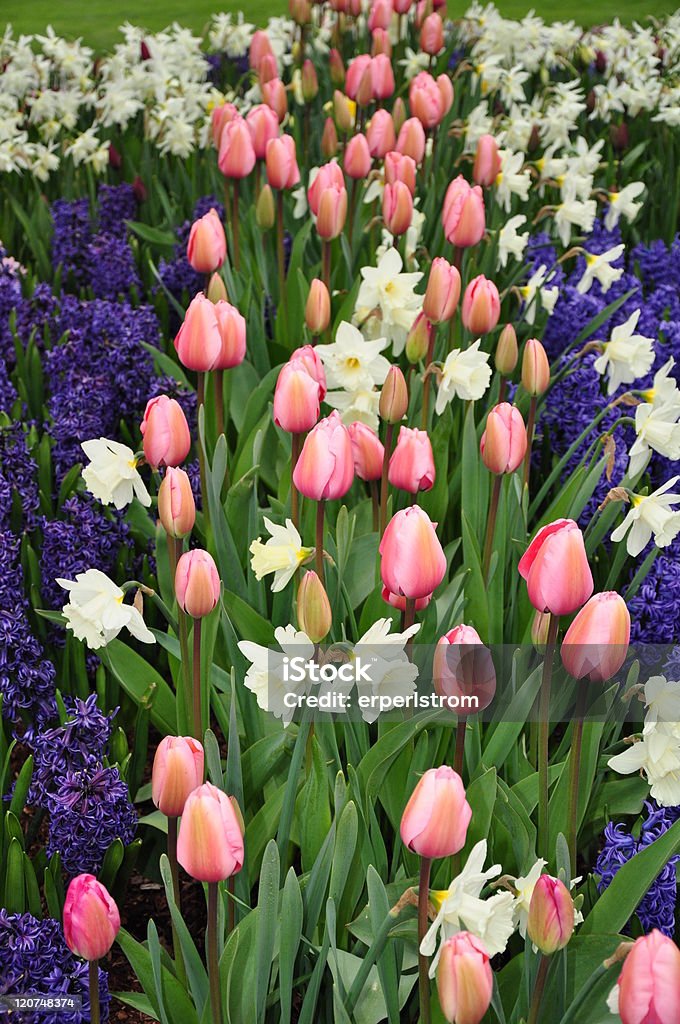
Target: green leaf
[142,683]
[267,907]
[291,933]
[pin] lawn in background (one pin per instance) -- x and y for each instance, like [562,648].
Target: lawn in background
[97,21]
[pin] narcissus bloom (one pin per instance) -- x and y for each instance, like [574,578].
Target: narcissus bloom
[91,918]
[466,374]
[650,514]
[111,474]
[96,612]
[626,356]
[281,554]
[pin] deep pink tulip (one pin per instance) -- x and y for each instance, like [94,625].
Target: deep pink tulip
[481,308]
[555,567]
[487,161]
[177,772]
[296,398]
[504,442]
[357,159]
[463,213]
[368,451]
[463,671]
[263,125]
[91,918]
[197,583]
[649,983]
[325,468]
[436,818]
[236,157]
[380,134]
[413,563]
[596,643]
[443,291]
[232,327]
[464,979]
[165,431]
[210,841]
[207,246]
[551,915]
[198,342]
[355,72]
[412,462]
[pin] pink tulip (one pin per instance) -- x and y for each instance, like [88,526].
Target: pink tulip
[381,43]
[309,356]
[232,327]
[259,46]
[355,72]
[382,76]
[329,175]
[425,100]
[220,117]
[165,431]
[310,81]
[336,68]
[397,208]
[413,563]
[332,213]
[380,134]
[357,160]
[91,918]
[432,34]
[535,368]
[436,818]
[445,86]
[463,671]
[325,468]
[443,291]
[198,342]
[596,643]
[207,246]
[274,95]
[555,567]
[268,69]
[402,6]
[367,451]
[649,983]
[318,307]
[296,398]
[210,841]
[282,166]
[197,583]
[481,308]
[463,214]
[551,915]
[176,504]
[399,167]
[399,601]
[263,125]
[380,14]
[487,161]
[411,139]
[504,442]
[464,979]
[236,157]
[177,772]
[412,462]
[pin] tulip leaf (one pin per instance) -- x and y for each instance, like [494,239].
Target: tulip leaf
[291,933]
[142,683]
[267,920]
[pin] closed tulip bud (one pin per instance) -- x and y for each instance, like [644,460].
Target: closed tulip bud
[399,167]
[463,671]
[649,983]
[355,72]
[263,125]
[337,69]
[487,161]
[555,567]
[332,213]
[232,327]
[329,139]
[220,117]
[418,339]
[412,462]
[281,162]
[236,157]
[443,291]
[381,43]
[445,86]
[198,342]
[207,246]
[342,112]
[300,11]
[210,841]
[463,214]
[551,915]
[91,918]
[274,95]
[402,6]
[398,601]
[310,82]
[535,368]
[464,979]
[393,396]
[309,357]
[504,442]
[268,69]
[481,305]
[217,289]
[197,583]
[436,818]
[367,451]
[318,307]
[540,627]
[265,211]
[177,772]
[296,398]
[327,176]
[176,505]
[380,14]
[165,431]
[380,134]
[357,159]
[398,113]
[313,608]
[397,208]
[365,90]
[259,48]
[411,139]
[413,563]
[382,77]
[432,35]
[596,644]
[325,468]
[506,351]
[425,100]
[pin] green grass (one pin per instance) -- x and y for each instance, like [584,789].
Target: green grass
[97,20]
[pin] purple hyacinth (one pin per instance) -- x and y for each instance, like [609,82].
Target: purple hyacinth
[113,271]
[115,205]
[70,240]
[10,296]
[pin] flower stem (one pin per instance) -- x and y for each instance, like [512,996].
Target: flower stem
[384,485]
[283,301]
[235,227]
[219,400]
[426,382]
[93,982]
[231,906]
[326,263]
[530,438]
[574,771]
[459,754]
[198,710]
[538,990]
[295,441]
[320,510]
[213,964]
[200,394]
[491,524]
[543,738]
[174,872]
[423,962]
[375,500]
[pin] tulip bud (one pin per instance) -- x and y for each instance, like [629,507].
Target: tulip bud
[535,368]
[309,357]
[540,627]
[177,772]
[411,139]
[91,918]
[506,351]
[418,339]
[397,208]
[443,291]
[364,93]
[268,69]
[463,214]
[310,82]
[210,841]
[555,567]
[481,306]
[337,69]
[399,167]
[596,643]
[263,125]
[300,11]
[551,915]
[464,979]
[259,48]
[432,34]
[220,117]
[115,159]
[207,246]
[332,213]
[393,396]
[197,583]
[412,462]
[265,212]
[398,113]
[176,505]
[165,431]
[381,136]
[382,77]
[274,95]
[329,139]
[487,161]
[381,43]
[445,86]
[318,307]
[436,818]
[236,157]
[412,562]
[504,442]
[296,398]
[281,162]
[649,983]
[367,451]
[198,342]
[313,608]
[232,327]
[463,671]
[325,468]
[425,100]
[357,160]
[217,290]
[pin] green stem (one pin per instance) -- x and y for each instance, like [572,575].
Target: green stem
[320,510]
[296,443]
[530,438]
[93,982]
[423,961]
[538,990]
[280,254]
[543,738]
[198,709]
[174,872]
[219,400]
[231,905]
[235,227]
[200,394]
[384,483]
[375,501]
[213,963]
[491,524]
[574,771]
[426,382]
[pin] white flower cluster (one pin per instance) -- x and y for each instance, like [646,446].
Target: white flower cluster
[656,754]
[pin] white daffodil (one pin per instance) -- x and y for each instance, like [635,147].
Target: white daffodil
[657,756]
[513,179]
[574,213]
[95,611]
[650,514]
[462,909]
[537,286]
[626,356]
[361,405]
[658,430]
[622,204]
[510,243]
[352,362]
[112,474]
[664,391]
[662,700]
[391,672]
[524,889]
[465,374]
[390,294]
[599,268]
[282,554]
[266,677]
